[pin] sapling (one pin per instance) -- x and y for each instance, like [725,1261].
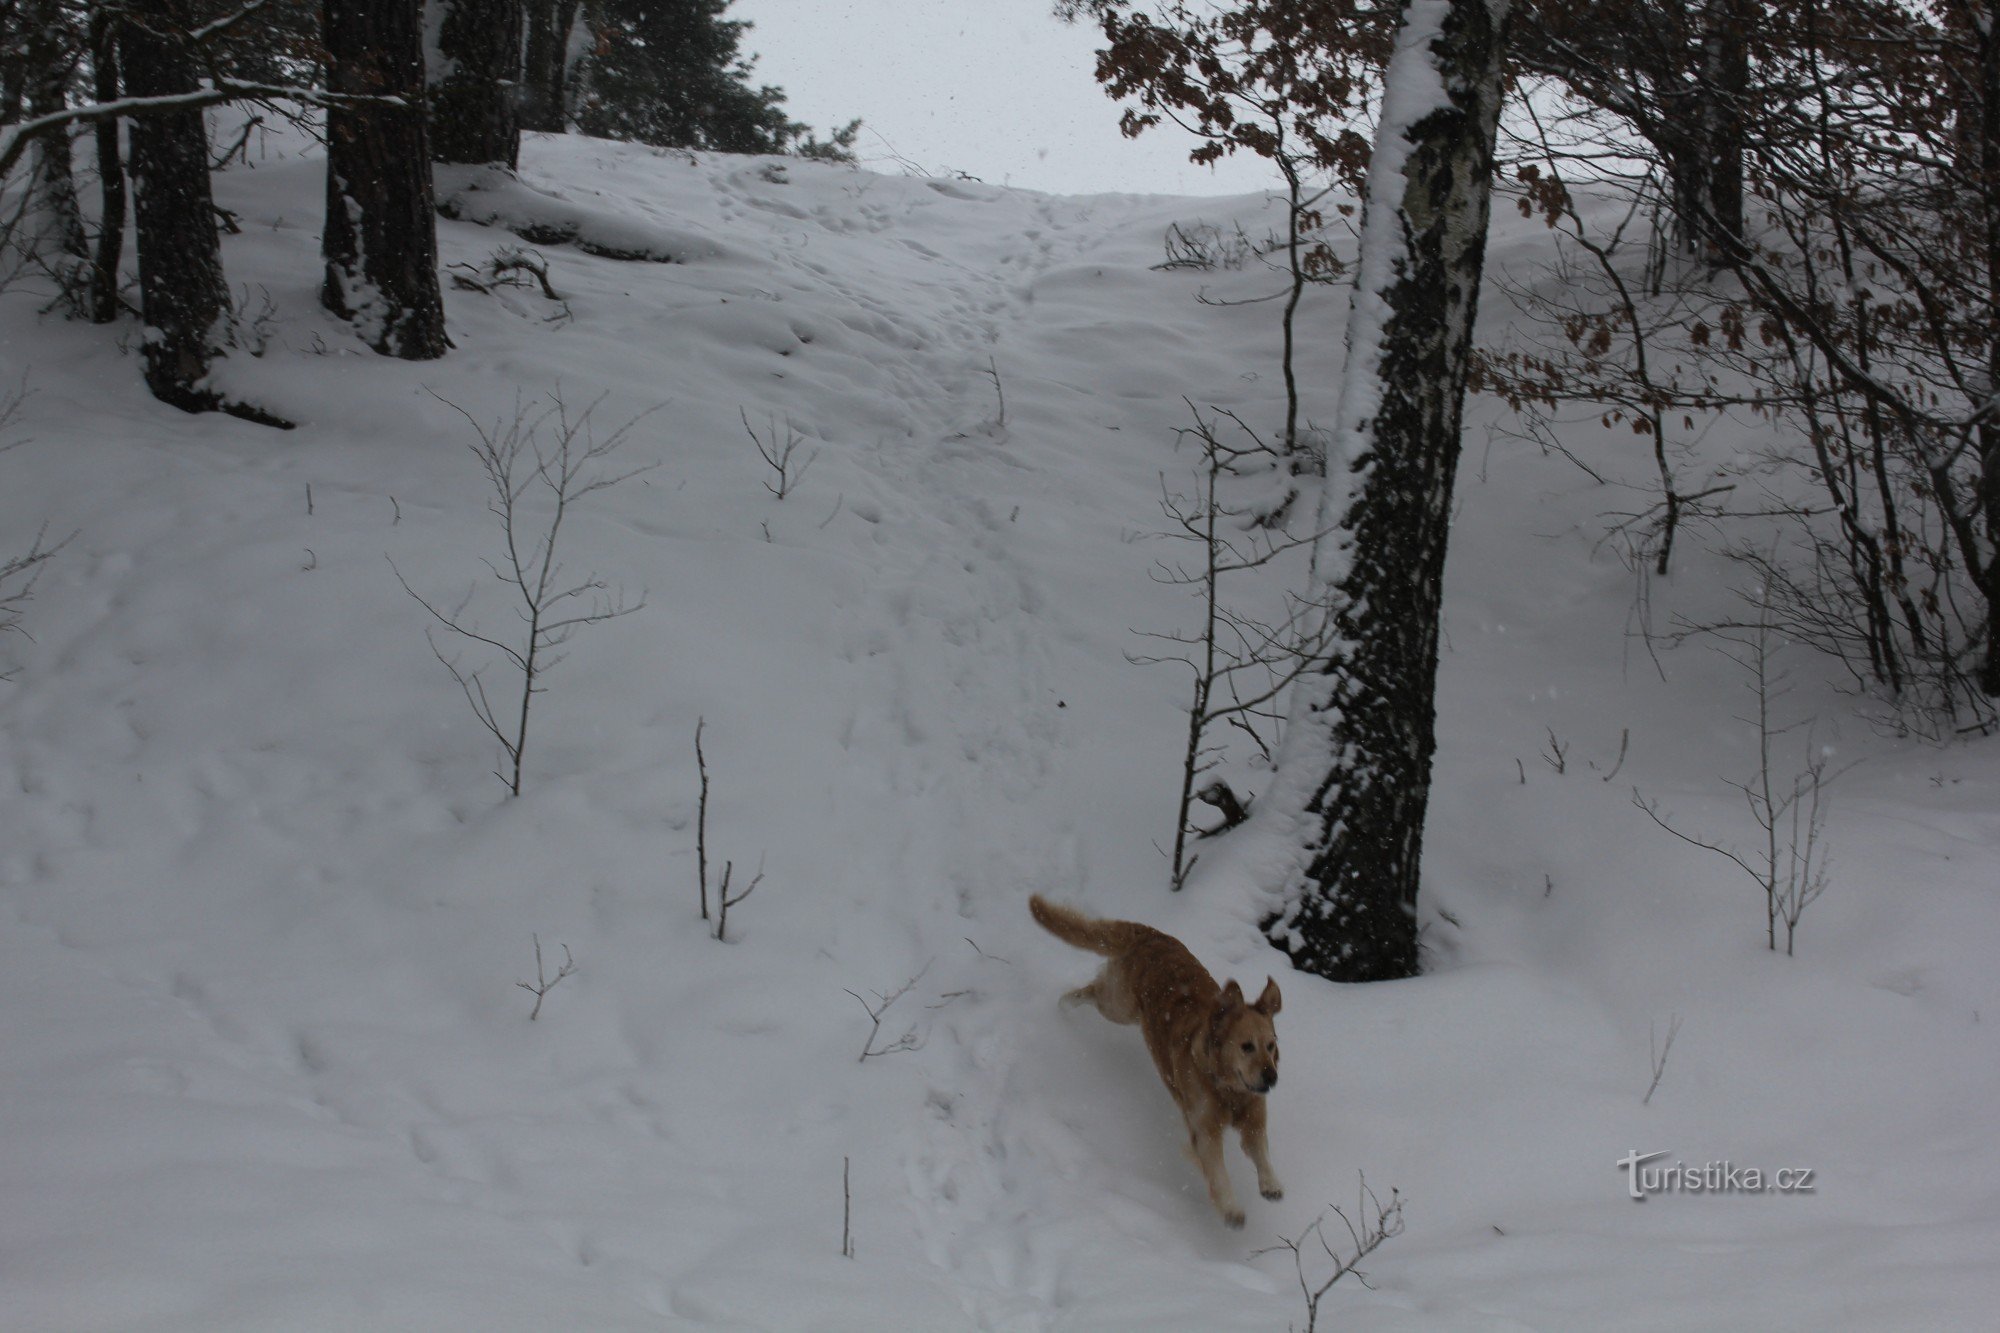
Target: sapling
[543,983]
[1374,1223]
[1239,664]
[1790,864]
[537,465]
[780,454]
[910,1040]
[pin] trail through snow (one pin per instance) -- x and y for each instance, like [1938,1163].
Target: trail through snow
[263,908]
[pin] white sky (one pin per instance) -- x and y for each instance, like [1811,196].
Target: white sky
[999,89]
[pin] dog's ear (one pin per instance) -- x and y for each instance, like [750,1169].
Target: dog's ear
[1232,996]
[1270,1002]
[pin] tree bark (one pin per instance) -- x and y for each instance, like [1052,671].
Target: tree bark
[53,224]
[1359,750]
[1725,70]
[184,297]
[545,78]
[476,93]
[110,249]
[1986,28]
[380,241]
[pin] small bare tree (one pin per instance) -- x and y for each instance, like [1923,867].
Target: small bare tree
[911,1040]
[846,1213]
[724,899]
[543,983]
[537,466]
[1790,864]
[1373,1224]
[18,573]
[780,454]
[1240,663]
[701,820]
[1660,1053]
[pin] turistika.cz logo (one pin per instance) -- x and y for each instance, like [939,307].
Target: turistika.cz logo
[1725,1177]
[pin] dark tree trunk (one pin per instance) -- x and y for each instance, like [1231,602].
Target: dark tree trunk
[110,173]
[1986,27]
[54,220]
[545,79]
[1365,740]
[475,109]
[1699,131]
[1725,68]
[381,232]
[184,297]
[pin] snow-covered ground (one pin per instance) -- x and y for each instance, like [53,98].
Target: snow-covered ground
[265,1064]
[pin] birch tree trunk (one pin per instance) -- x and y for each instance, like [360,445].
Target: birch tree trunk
[1357,758]
[380,241]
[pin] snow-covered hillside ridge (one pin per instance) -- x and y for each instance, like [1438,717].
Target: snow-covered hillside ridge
[264,906]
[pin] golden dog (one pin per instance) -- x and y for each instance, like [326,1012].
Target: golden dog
[1217,1055]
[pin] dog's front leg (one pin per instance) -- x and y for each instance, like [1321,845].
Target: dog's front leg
[1205,1137]
[1254,1147]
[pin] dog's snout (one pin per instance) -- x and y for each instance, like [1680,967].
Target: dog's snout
[1270,1077]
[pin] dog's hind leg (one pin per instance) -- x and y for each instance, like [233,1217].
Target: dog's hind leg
[1108,993]
[1081,995]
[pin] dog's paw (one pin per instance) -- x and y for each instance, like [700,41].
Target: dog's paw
[1273,1192]
[1233,1219]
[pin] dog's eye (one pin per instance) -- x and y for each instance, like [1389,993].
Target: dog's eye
[1249,1046]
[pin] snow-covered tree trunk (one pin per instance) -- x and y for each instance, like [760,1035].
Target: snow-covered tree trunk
[476,85]
[184,298]
[1357,757]
[380,241]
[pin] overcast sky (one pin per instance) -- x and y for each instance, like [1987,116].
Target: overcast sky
[999,89]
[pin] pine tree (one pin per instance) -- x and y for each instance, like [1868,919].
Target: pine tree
[672,73]
[380,241]
[475,106]
[184,297]
[545,59]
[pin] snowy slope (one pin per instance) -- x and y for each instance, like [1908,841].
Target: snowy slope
[266,1065]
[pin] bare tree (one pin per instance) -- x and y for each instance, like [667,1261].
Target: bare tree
[538,466]
[780,454]
[1374,1224]
[543,983]
[1240,664]
[1789,866]
[910,1040]
[18,573]
[1280,80]
[724,899]
[1660,1054]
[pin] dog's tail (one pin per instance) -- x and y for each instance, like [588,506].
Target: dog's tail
[1073,927]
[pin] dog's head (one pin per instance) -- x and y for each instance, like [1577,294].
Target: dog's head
[1246,1042]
